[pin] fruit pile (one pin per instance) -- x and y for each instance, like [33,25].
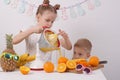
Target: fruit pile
[75,65]
[65,64]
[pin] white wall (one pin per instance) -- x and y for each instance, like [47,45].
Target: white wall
[101,26]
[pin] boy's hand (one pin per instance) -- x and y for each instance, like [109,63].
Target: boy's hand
[63,34]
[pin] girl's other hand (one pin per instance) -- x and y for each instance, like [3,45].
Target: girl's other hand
[63,34]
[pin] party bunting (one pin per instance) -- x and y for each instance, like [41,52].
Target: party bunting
[67,12]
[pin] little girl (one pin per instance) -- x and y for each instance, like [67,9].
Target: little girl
[46,15]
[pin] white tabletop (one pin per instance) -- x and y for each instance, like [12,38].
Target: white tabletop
[41,75]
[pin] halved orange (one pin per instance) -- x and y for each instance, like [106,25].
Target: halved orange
[24,70]
[61,67]
[71,64]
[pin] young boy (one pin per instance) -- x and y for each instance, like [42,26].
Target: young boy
[82,49]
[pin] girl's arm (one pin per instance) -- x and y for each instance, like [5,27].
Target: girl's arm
[22,35]
[65,42]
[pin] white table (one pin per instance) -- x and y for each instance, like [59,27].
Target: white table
[41,75]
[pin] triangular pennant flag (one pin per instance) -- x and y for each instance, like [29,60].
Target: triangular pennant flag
[73,13]
[80,10]
[7,2]
[22,6]
[30,10]
[97,3]
[90,5]
[64,14]
[14,4]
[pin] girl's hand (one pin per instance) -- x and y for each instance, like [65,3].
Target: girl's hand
[65,42]
[63,34]
[38,29]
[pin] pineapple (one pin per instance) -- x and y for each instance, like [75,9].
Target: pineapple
[8,64]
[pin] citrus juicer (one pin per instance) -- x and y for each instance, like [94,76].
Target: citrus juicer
[48,41]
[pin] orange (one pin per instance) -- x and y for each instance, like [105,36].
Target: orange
[24,70]
[48,67]
[94,61]
[71,64]
[82,61]
[62,60]
[61,67]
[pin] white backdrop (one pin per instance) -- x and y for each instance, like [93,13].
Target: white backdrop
[101,26]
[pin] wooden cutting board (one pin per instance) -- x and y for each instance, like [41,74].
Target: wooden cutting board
[92,68]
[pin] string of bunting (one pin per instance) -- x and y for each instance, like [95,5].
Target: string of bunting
[72,11]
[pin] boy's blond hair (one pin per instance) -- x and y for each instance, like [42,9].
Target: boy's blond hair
[84,43]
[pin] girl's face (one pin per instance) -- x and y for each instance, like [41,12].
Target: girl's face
[46,19]
[80,53]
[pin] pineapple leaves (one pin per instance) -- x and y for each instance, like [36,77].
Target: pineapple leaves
[9,41]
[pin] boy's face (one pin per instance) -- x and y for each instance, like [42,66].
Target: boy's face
[46,19]
[80,53]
